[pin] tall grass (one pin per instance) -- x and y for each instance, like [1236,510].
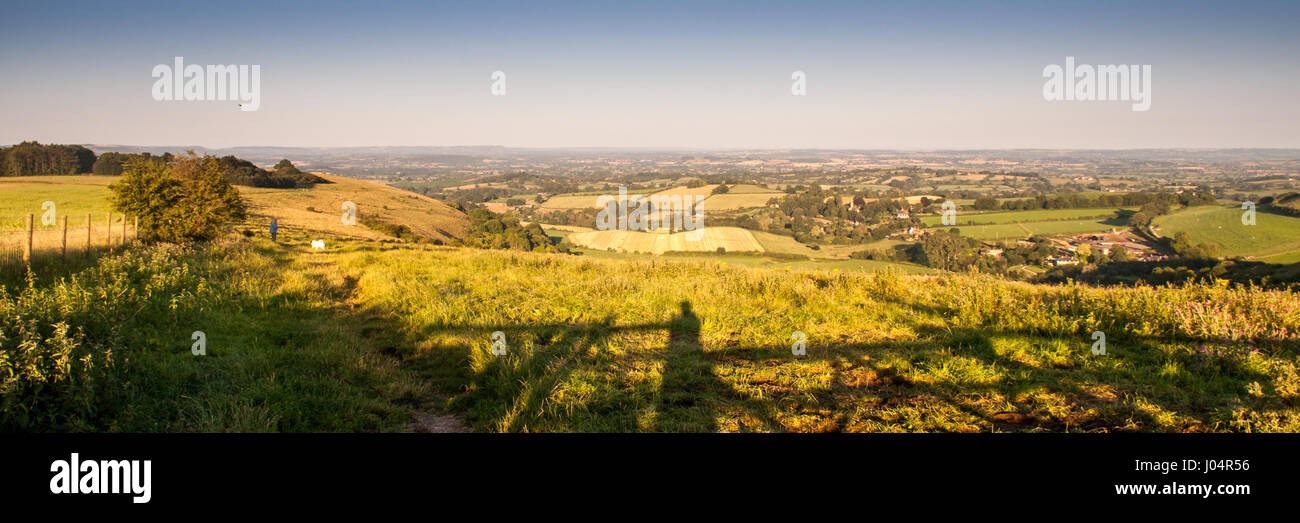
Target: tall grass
[366,336]
[599,345]
[108,348]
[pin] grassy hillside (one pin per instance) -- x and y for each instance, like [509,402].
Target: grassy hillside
[317,208]
[320,208]
[368,336]
[1273,238]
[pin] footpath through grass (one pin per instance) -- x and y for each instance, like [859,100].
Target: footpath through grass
[369,337]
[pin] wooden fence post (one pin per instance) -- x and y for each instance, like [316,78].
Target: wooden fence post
[108,233]
[63,246]
[89,228]
[123,242]
[27,249]
[135,229]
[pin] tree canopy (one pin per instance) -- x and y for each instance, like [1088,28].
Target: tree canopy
[187,200]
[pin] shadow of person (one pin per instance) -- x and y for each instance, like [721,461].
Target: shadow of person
[684,329]
[688,385]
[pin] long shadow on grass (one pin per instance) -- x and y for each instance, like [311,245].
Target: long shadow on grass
[865,383]
[511,392]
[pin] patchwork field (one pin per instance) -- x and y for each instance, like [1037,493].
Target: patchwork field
[707,239]
[1274,238]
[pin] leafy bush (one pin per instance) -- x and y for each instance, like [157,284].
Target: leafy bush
[62,346]
[186,201]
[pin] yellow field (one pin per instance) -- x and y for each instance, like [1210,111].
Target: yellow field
[571,202]
[708,239]
[729,201]
[425,216]
[565,228]
[684,191]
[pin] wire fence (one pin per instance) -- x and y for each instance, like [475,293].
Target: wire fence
[32,237]
[28,238]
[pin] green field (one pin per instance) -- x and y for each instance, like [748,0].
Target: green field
[1010,225]
[367,336]
[1274,238]
[1007,217]
[72,195]
[1011,231]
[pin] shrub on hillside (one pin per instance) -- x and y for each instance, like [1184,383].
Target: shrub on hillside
[188,200]
[285,176]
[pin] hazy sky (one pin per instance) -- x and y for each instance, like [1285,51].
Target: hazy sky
[658,74]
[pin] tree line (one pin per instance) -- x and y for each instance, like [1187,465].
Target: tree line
[34,158]
[37,159]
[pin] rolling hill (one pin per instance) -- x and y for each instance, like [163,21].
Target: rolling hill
[320,208]
[1273,238]
[314,209]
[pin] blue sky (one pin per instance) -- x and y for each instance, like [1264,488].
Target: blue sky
[663,74]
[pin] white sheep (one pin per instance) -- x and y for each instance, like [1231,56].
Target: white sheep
[318,244]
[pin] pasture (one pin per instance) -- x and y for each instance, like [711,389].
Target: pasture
[1274,238]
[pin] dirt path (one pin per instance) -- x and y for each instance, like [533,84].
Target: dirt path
[379,336]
